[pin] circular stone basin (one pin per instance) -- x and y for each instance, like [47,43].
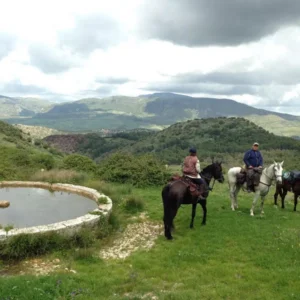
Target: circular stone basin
[35,206]
[41,207]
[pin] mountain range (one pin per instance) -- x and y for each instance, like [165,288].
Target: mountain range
[153,111]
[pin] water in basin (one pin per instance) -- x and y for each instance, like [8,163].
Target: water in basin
[36,206]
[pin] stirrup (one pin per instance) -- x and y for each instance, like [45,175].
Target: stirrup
[201,198]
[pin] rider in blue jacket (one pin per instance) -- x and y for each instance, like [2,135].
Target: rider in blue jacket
[252,159]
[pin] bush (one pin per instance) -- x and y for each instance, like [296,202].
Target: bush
[60,176]
[44,161]
[142,170]
[133,204]
[28,245]
[79,163]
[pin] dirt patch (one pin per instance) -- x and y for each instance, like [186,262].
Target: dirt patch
[136,236]
[148,296]
[36,266]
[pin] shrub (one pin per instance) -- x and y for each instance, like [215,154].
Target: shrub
[133,204]
[142,170]
[79,163]
[27,245]
[61,176]
[44,161]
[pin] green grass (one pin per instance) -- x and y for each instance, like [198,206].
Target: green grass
[234,256]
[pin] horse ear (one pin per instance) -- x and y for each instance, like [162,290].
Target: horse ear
[282,163]
[274,162]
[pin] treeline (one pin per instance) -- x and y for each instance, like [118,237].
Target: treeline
[215,137]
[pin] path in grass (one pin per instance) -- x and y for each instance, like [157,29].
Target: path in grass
[234,256]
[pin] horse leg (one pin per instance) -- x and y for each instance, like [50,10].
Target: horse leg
[193,214]
[203,204]
[237,189]
[276,196]
[295,201]
[262,205]
[253,204]
[282,195]
[167,222]
[232,188]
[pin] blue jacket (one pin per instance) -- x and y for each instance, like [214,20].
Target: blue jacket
[253,158]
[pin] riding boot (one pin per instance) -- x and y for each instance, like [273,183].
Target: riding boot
[249,185]
[201,191]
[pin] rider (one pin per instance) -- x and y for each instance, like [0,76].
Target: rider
[191,169]
[252,159]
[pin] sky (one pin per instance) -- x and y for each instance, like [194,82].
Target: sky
[246,50]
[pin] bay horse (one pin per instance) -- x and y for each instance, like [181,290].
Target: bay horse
[273,172]
[287,186]
[176,193]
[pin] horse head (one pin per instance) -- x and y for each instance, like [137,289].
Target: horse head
[277,168]
[218,174]
[213,170]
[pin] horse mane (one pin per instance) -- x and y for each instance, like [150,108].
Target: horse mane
[207,168]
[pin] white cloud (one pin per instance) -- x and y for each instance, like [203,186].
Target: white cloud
[80,48]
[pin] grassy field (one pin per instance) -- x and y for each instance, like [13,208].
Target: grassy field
[234,256]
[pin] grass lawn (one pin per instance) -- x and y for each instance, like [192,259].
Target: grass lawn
[234,256]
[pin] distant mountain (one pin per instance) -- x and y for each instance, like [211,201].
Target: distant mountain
[168,105]
[153,111]
[22,107]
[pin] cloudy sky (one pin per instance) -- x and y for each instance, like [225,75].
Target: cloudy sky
[247,50]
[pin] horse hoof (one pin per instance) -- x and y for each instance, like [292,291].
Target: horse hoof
[169,238]
[203,224]
[191,226]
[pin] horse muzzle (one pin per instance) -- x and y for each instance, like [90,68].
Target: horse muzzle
[221,179]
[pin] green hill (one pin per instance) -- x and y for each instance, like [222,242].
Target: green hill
[226,138]
[154,111]
[21,155]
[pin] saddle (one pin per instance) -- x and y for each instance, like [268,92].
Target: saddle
[192,187]
[241,177]
[291,177]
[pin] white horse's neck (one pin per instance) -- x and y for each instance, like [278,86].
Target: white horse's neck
[267,175]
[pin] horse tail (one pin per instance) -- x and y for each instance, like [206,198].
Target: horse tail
[167,218]
[165,196]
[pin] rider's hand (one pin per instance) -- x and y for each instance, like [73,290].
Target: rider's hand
[250,167]
[260,167]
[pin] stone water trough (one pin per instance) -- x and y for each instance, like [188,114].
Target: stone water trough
[40,207]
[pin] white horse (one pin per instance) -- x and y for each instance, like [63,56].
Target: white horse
[273,172]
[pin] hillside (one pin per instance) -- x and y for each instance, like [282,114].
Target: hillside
[22,107]
[38,132]
[226,138]
[154,111]
[21,156]
[277,124]
[96,145]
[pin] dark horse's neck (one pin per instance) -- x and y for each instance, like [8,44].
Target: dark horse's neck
[207,174]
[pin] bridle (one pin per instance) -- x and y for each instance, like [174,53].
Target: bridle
[210,178]
[271,178]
